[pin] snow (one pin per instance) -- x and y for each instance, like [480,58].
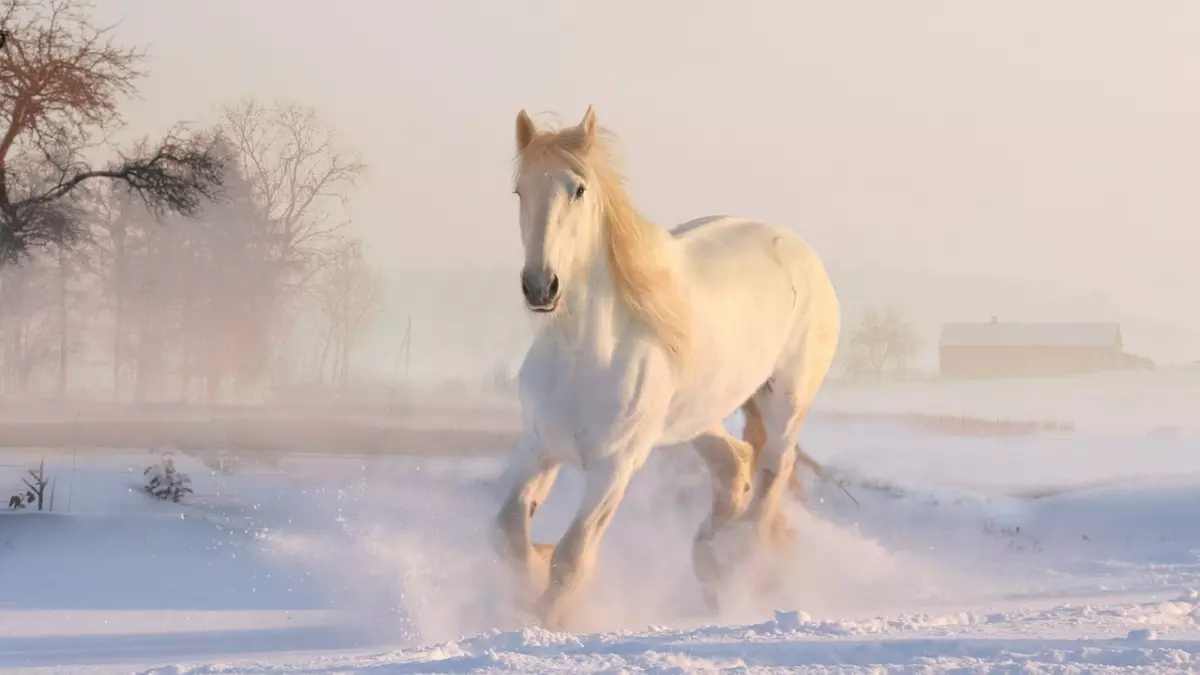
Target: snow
[1057,551]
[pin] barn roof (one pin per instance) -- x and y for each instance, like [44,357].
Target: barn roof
[1005,334]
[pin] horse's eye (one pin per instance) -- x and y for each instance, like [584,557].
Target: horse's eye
[579,191]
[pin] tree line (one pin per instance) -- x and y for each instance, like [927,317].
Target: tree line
[179,266]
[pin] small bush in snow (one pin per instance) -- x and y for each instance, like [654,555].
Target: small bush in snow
[165,482]
[35,484]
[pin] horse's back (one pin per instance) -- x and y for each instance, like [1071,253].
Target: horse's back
[729,240]
[763,297]
[724,231]
[684,229]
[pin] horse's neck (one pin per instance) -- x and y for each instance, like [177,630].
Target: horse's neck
[597,320]
[595,316]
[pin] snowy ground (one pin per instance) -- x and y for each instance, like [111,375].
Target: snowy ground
[1058,551]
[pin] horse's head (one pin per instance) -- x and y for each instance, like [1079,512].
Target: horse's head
[560,207]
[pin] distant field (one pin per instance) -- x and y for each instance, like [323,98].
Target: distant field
[435,428]
[1159,402]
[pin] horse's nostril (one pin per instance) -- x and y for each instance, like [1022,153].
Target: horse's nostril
[554,287]
[524,286]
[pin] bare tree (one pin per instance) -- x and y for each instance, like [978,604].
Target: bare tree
[299,176]
[61,80]
[349,296]
[27,329]
[36,482]
[63,274]
[192,308]
[882,339]
[111,233]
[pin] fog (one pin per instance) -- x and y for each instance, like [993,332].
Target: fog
[279,421]
[951,162]
[957,160]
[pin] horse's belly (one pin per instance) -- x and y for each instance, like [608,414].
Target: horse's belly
[695,409]
[720,384]
[738,344]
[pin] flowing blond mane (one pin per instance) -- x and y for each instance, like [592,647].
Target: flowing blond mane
[639,253]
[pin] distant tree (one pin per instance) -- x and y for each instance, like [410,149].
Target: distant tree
[109,237]
[348,295]
[61,80]
[196,302]
[882,339]
[27,302]
[230,298]
[299,177]
[41,298]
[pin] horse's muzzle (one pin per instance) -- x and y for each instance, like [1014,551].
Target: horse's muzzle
[540,290]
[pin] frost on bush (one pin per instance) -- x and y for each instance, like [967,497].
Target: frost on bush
[165,482]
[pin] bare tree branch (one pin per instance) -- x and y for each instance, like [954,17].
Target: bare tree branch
[295,168]
[62,80]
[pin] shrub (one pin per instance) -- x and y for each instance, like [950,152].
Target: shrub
[165,482]
[35,484]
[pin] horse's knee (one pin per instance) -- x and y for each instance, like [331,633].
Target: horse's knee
[574,557]
[512,523]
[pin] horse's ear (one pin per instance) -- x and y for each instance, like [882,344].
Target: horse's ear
[588,126]
[525,130]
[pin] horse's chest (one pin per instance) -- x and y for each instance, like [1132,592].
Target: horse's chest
[579,409]
[574,414]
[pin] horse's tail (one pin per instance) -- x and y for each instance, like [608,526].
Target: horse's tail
[804,459]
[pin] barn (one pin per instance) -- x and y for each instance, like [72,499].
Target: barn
[1006,349]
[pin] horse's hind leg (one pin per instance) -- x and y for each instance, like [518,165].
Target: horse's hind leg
[780,414]
[754,432]
[532,480]
[729,461]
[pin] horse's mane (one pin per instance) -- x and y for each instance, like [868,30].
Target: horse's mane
[639,254]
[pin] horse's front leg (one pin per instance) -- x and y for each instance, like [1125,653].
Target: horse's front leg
[532,479]
[575,555]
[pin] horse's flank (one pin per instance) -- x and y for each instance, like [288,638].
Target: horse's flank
[641,256]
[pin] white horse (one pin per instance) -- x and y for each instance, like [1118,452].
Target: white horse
[652,337]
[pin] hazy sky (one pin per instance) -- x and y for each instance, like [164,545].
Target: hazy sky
[1049,141]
